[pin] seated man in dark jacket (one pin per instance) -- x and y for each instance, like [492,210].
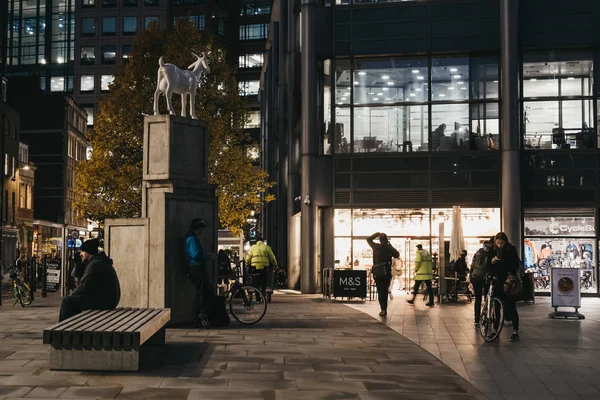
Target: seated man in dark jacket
[99,287]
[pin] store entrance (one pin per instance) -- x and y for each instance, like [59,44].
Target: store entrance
[406,246]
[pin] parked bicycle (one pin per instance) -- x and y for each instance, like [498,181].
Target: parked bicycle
[247,304]
[21,290]
[492,313]
[586,280]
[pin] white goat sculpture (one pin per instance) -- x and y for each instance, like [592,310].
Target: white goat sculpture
[174,80]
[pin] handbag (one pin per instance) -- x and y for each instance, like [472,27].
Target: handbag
[382,270]
[513,288]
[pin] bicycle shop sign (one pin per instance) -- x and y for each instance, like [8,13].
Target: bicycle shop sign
[550,226]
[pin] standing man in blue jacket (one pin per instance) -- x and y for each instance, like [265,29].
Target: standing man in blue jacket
[197,270]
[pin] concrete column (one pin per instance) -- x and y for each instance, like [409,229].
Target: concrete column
[282,133]
[308,278]
[512,215]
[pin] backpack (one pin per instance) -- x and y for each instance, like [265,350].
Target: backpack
[479,265]
[217,315]
[521,269]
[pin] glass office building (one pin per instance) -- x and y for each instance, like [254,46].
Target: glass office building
[424,105]
[38,39]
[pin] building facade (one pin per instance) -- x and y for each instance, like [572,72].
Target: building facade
[38,39]
[53,126]
[382,116]
[9,143]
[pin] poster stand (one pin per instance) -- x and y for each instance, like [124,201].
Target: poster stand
[566,292]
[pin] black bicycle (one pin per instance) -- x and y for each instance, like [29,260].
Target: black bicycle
[247,303]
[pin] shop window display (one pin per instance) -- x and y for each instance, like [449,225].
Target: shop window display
[556,238]
[405,228]
[557,105]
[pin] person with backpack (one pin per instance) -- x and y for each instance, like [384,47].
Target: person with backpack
[477,276]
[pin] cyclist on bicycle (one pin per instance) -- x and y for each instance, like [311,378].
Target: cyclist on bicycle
[259,259]
[504,262]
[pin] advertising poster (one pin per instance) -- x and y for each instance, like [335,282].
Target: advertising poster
[565,287]
[53,275]
[348,283]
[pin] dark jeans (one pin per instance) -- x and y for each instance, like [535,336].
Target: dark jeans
[383,285]
[510,307]
[511,313]
[204,292]
[429,289]
[73,305]
[479,291]
[70,306]
[260,280]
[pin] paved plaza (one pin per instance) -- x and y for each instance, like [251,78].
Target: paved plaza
[555,359]
[310,348]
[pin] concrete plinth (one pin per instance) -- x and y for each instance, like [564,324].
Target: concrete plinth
[148,251]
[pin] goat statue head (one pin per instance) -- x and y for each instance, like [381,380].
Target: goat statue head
[201,61]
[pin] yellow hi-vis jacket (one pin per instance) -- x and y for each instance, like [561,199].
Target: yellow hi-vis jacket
[260,256]
[423,266]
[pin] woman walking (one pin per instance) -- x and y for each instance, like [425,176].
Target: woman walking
[382,260]
[504,266]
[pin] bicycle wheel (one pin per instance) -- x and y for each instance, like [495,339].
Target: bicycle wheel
[25,294]
[490,317]
[247,305]
[17,294]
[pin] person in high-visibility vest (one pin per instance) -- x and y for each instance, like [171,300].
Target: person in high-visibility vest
[423,273]
[259,259]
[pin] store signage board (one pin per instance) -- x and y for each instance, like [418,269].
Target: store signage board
[559,226]
[566,291]
[53,275]
[349,283]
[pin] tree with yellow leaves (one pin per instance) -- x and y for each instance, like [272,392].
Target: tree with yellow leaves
[109,184]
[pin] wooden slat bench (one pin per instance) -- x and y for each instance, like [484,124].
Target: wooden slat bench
[109,340]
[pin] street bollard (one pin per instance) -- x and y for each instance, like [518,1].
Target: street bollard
[31,280]
[44,275]
[34,280]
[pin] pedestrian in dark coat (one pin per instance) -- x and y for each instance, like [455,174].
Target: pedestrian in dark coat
[504,263]
[382,253]
[99,287]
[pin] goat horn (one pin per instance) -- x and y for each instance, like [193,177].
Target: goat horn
[197,56]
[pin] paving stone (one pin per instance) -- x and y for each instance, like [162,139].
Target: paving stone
[14,391]
[194,383]
[43,392]
[286,367]
[153,393]
[90,392]
[204,394]
[315,395]
[397,394]
[263,384]
[314,376]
